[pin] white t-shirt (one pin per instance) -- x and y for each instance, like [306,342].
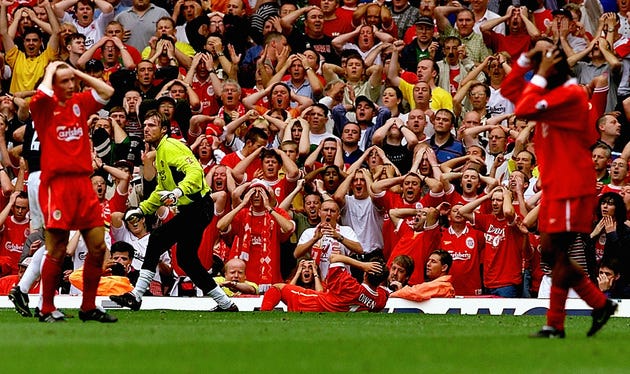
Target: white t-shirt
[322,249]
[366,221]
[139,246]
[94,31]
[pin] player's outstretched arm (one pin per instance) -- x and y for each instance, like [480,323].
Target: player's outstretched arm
[369,267]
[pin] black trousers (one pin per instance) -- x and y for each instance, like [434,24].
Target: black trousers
[185,229]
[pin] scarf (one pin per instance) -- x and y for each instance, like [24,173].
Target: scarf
[242,246]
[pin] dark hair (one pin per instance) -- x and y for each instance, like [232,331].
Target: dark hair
[273,87]
[435,67]
[306,257]
[75,35]
[348,53]
[375,279]
[310,192]
[351,123]
[562,70]
[322,107]
[612,263]
[282,113]
[87,2]
[445,258]
[145,61]
[270,153]
[334,167]
[399,95]
[316,54]
[33,30]
[453,118]
[121,246]
[356,56]
[620,208]
[94,65]
[253,134]
[531,154]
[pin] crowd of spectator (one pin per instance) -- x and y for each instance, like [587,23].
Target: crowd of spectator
[325,128]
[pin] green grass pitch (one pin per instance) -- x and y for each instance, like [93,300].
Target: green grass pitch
[277,342]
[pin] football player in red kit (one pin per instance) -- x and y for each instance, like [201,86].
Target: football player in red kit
[558,104]
[66,195]
[343,292]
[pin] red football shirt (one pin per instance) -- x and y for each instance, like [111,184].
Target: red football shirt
[64,132]
[418,246]
[232,159]
[345,294]
[568,173]
[466,250]
[503,252]
[13,235]
[391,200]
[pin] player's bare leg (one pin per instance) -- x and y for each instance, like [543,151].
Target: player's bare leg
[92,270]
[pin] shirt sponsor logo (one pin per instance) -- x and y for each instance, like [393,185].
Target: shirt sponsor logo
[13,247]
[494,235]
[68,134]
[460,256]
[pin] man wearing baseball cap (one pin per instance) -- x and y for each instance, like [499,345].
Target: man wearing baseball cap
[423,46]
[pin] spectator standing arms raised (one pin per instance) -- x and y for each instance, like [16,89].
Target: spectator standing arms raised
[67,198]
[83,17]
[568,181]
[181,183]
[28,64]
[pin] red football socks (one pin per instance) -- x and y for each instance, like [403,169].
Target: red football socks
[92,270]
[590,293]
[556,313]
[51,270]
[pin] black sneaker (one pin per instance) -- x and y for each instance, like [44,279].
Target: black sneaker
[601,316]
[52,317]
[96,315]
[231,308]
[548,332]
[20,301]
[127,300]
